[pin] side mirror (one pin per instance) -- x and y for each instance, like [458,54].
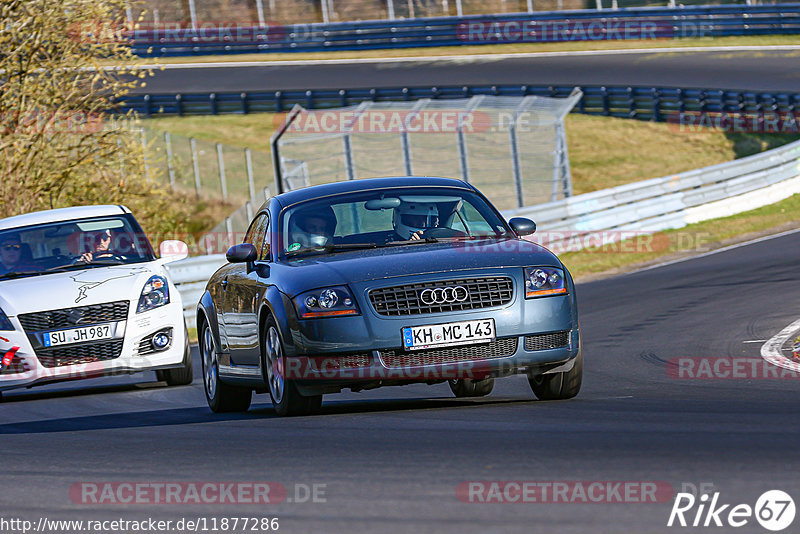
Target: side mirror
[522,226]
[172,250]
[243,253]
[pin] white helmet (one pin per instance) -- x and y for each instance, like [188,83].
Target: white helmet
[411,217]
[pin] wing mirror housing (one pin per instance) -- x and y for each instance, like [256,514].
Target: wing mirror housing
[242,253]
[522,226]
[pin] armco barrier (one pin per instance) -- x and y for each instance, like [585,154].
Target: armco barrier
[545,26]
[645,103]
[644,207]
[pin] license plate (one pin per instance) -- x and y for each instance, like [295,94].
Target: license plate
[448,334]
[78,335]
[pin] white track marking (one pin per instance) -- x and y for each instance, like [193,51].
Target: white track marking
[462,58]
[755,341]
[771,350]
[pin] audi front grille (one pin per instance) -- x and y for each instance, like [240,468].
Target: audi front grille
[499,348]
[555,340]
[446,296]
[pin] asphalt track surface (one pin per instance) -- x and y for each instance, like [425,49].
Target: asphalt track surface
[765,70]
[391,459]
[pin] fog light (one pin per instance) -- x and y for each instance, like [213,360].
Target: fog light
[160,340]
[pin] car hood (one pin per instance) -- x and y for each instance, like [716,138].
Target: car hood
[374,264]
[82,287]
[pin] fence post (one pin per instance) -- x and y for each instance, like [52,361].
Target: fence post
[459,8]
[248,207]
[260,9]
[599,5]
[229,231]
[193,14]
[404,139]
[196,166]
[144,154]
[463,156]
[348,157]
[250,181]
[325,15]
[390,7]
[170,163]
[530,6]
[512,137]
[222,180]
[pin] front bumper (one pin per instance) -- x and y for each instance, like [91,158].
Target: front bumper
[27,370]
[329,353]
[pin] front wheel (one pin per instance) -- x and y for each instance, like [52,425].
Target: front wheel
[467,387]
[221,397]
[558,386]
[286,398]
[183,375]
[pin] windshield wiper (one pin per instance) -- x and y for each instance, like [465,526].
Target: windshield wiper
[422,241]
[19,274]
[332,248]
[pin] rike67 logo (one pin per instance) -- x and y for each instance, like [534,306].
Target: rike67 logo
[774,510]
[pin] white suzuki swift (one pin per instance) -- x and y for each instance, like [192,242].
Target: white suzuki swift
[82,295]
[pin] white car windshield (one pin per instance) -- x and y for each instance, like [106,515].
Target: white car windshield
[387,217]
[66,245]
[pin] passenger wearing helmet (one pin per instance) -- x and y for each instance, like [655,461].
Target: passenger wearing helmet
[412,219]
[311,228]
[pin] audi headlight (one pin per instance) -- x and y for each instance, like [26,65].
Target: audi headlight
[326,302]
[5,323]
[544,281]
[154,294]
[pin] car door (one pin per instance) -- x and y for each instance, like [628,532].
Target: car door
[242,294]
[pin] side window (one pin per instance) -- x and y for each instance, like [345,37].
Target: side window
[263,254]
[255,234]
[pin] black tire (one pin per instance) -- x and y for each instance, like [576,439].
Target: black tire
[184,375]
[467,387]
[221,397]
[286,398]
[559,386]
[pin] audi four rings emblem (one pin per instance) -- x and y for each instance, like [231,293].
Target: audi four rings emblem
[444,295]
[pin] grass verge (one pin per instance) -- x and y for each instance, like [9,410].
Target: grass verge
[467,50]
[600,262]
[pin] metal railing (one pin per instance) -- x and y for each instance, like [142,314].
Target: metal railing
[545,26]
[645,103]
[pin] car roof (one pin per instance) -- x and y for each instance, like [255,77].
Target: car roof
[364,184]
[61,214]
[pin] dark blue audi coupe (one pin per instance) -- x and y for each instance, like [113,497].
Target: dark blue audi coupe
[385,281]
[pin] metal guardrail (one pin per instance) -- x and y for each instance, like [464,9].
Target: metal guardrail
[672,201]
[645,103]
[644,207]
[546,26]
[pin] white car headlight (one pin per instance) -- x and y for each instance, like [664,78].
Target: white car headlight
[154,294]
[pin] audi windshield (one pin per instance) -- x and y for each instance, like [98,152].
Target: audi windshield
[386,217]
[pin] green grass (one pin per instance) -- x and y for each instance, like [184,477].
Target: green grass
[691,239]
[510,48]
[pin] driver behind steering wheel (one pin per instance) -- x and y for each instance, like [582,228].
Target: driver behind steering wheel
[412,219]
[101,247]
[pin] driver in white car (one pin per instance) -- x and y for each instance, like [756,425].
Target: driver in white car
[412,219]
[101,247]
